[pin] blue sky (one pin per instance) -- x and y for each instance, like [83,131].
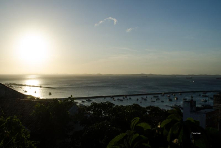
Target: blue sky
[117,36]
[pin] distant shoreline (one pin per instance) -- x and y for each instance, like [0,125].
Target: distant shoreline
[118,74]
[94,97]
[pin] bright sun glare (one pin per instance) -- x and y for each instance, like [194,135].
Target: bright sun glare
[33,47]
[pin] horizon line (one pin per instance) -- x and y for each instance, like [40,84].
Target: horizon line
[101,74]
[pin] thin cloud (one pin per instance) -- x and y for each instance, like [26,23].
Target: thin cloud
[124,48]
[109,18]
[130,29]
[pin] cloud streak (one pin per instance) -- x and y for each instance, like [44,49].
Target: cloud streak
[109,18]
[130,29]
[124,48]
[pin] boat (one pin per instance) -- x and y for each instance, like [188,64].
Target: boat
[89,100]
[156,96]
[184,99]
[162,101]
[176,98]
[169,99]
[204,100]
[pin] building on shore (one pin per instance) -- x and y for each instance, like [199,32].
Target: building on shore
[206,117]
[217,106]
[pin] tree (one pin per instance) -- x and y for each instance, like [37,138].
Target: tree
[52,123]
[131,138]
[98,118]
[181,133]
[14,134]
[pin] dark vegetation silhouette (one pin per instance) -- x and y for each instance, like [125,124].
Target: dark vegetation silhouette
[13,134]
[107,125]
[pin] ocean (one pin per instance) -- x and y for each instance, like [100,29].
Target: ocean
[64,86]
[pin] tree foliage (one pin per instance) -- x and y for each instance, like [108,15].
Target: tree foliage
[103,121]
[13,134]
[131,138]
[52,123]
[107,125]
[173,132]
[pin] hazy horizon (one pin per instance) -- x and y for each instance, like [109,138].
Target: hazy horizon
[110,37]
[117,74]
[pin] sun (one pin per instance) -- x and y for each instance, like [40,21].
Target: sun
[33,47]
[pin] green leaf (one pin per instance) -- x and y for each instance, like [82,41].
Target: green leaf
[176,127]
[113,142]
[144,125]
[134,122]
[169,136]
[190,119]
[146,144]
[174,117]
[200,143]
[143,137]
[165,122]
[133,138]
[180,137]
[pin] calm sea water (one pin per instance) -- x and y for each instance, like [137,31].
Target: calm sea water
[63,86]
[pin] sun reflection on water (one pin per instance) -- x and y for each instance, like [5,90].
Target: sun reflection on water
[32,88]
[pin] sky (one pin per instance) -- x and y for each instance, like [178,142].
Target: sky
[110,37]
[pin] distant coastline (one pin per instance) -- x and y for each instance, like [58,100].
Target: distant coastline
[5,87]
[64,74]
